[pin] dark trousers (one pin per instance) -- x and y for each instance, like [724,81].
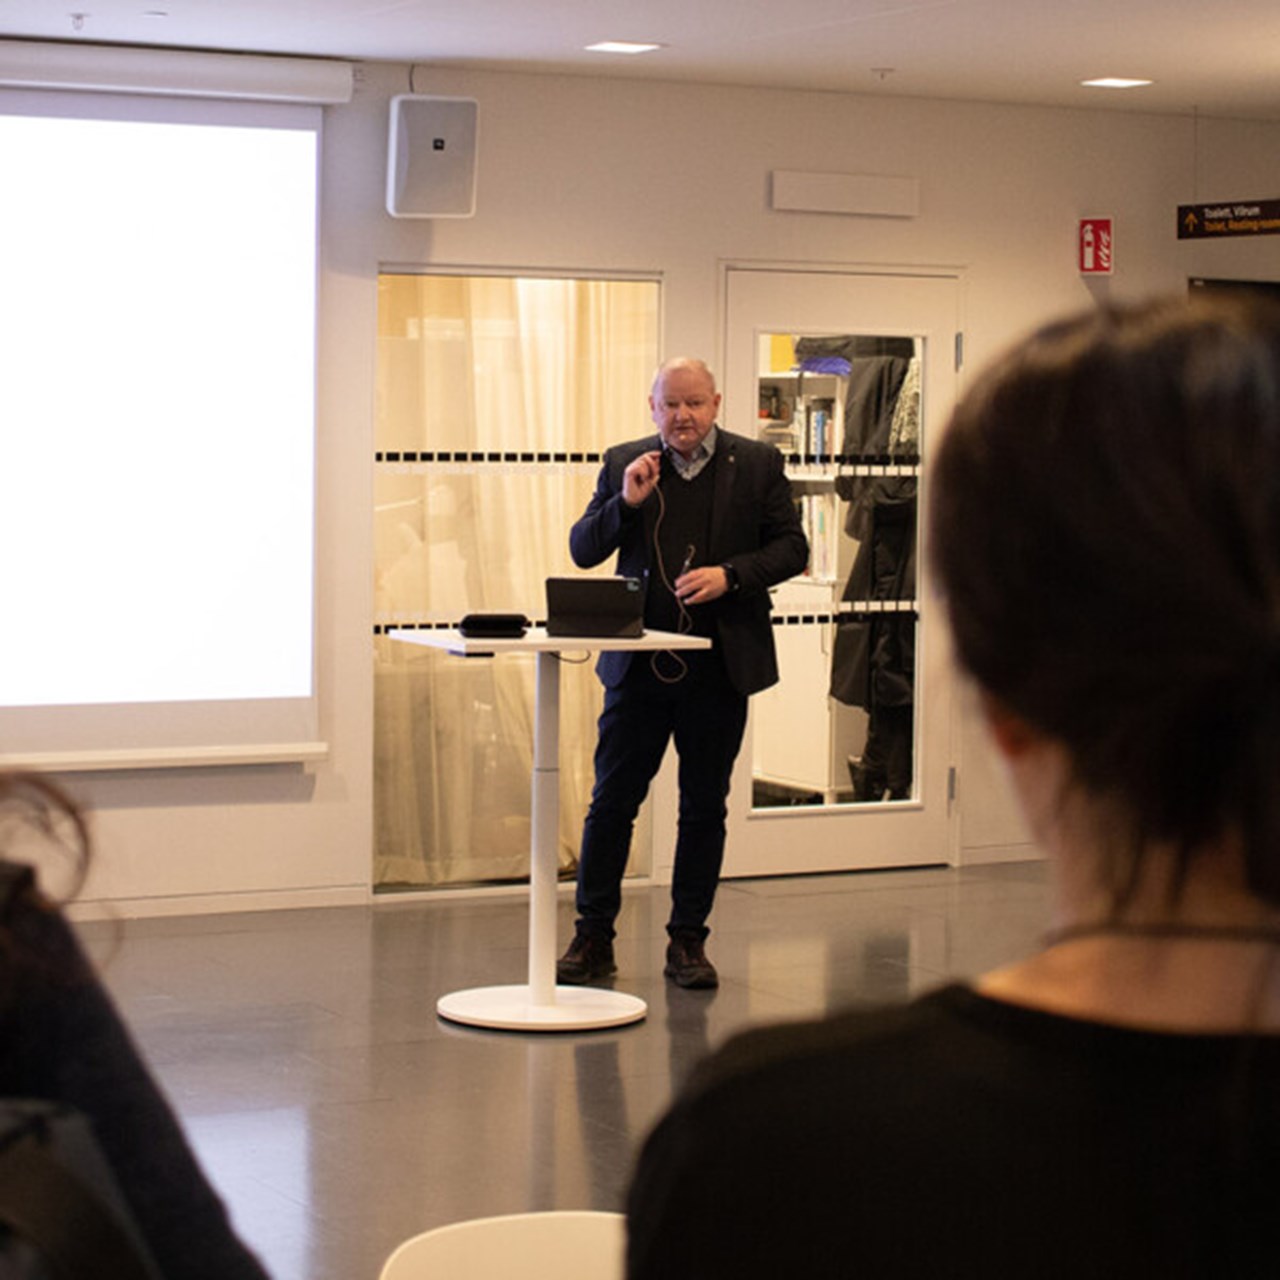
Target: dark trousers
[706,716]
[886,758]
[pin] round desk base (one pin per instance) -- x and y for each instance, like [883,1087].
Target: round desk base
[513,1009]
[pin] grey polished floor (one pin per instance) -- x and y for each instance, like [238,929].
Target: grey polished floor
[338,1115]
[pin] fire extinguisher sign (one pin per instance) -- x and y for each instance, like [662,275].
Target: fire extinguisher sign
[1095,246]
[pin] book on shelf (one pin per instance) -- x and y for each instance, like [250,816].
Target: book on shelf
[818,518]
[822,428]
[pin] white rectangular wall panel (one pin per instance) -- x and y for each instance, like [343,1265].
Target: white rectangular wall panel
[856,193]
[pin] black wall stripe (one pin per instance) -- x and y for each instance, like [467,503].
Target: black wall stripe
[489,457]
[779,620]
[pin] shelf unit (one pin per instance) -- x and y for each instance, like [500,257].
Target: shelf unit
[802,413]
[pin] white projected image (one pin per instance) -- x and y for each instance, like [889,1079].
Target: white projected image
[157,320]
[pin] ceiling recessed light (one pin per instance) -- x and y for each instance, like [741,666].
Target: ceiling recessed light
[621,46]
[1115,82]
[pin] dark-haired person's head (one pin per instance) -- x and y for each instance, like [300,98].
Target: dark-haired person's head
[1105,530]
[38,817]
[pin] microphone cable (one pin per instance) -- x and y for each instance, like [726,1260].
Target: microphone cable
[684,622]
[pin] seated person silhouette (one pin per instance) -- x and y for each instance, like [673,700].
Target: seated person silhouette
[1105,531]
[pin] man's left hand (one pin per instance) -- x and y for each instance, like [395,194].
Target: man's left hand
[698,586]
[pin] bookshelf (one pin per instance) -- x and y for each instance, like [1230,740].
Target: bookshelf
[802,734]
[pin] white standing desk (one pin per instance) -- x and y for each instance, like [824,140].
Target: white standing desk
[541,1005]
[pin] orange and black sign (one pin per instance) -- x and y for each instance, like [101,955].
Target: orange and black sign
[1228,218]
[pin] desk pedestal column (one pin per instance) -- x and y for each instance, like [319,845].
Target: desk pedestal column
[542,1005]
[544,836]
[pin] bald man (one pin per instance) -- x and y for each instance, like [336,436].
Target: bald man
[706,520]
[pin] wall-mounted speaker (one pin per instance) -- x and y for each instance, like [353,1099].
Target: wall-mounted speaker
[431,157]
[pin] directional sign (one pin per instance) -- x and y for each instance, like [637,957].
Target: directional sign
[1228,218]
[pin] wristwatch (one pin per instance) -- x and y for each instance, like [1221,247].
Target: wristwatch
[732,575]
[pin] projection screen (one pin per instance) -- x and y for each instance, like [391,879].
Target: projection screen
[157,430]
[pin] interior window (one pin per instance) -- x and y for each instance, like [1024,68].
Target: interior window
[497,397]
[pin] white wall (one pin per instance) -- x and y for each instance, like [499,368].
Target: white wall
[593,175]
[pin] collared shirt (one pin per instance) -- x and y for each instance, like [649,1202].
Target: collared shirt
[688,468]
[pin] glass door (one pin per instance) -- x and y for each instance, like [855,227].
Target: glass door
[846,759]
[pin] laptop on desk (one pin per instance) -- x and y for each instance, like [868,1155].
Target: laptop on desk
[595,606]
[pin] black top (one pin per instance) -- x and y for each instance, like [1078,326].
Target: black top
[963,1136]
[683,534]
[61,1039]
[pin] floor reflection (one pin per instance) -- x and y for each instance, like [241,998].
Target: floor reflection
[338,1115]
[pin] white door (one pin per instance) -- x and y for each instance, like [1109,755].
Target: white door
[806,354]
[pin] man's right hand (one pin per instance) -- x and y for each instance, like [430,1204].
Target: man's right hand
[640,478]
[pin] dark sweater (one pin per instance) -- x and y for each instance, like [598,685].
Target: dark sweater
[961,1136]
[683,532]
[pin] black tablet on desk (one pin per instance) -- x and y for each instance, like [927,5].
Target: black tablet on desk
[595,606]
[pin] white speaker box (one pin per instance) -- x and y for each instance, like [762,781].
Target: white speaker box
[431,157]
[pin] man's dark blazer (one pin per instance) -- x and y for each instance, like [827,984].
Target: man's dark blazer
[755,529]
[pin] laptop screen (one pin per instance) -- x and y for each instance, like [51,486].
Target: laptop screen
[595,606]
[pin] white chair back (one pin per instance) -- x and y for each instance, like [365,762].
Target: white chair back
[556,1245]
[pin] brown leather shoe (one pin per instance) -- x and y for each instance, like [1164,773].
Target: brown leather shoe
[687,964]
[588,959]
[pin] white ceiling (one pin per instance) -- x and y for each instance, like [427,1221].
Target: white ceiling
[1217,59]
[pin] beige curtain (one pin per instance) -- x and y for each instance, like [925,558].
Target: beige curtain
[520,371]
